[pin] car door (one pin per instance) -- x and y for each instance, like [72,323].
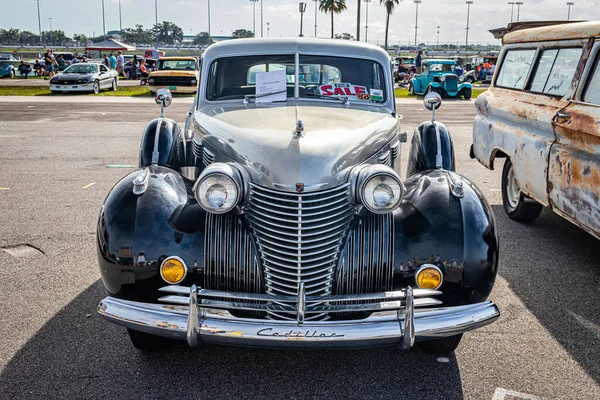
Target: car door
[105,77]
[525,105]
[574,165]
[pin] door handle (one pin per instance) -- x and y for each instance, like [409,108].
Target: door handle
[562,115]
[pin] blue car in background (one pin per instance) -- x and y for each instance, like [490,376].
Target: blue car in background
[439,76]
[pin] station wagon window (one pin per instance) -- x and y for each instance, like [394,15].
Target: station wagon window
[592,92]
[318,77]
[514,69]
[178,65]
[555,70]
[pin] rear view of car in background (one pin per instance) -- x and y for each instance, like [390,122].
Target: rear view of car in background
[541,114]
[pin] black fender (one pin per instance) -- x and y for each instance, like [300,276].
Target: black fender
[450,226]
[423,149]
[169,144]
[137,232]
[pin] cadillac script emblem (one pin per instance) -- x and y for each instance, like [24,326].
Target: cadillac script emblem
[299,187]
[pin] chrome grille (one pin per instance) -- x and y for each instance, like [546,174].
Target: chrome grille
[299,238]
[395,150]
[385,158]
[203,153]
[367,260]
[451,83]
[230,261]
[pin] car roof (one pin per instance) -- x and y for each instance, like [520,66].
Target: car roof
[186,58]
[436,61]
[330,47]
[576,30]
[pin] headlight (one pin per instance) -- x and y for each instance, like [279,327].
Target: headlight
[219,188]
[194,81]
[379,189]
[442,78]
[151,80]
[461,78]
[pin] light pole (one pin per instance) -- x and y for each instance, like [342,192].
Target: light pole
[512,9]
[437,44]
[120,20]
[569,4]
[103,20]
[417,2]
[316,7]
[209,37]
[367,20]
[51,36]
[155,21]
[519,4]
[302,9]
[254,16]
[358,21]
[268,28]
[261,18]
[468,3]
[39,21]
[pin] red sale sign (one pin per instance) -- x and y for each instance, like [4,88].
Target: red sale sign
[342,89]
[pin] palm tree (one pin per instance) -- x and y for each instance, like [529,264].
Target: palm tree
[332,6]
[389,8]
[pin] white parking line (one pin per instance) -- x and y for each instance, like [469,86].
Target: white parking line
[89,185]
[500,394]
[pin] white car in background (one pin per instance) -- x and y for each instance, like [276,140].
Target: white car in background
[84,77]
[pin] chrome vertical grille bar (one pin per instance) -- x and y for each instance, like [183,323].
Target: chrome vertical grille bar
[299,238]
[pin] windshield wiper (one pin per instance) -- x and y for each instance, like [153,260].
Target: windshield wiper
[257,96]
[322,96]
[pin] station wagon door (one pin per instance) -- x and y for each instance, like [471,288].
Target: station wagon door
[574,165]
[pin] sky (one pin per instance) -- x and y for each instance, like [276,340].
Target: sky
[85,16]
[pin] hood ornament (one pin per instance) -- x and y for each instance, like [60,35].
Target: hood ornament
[299,128]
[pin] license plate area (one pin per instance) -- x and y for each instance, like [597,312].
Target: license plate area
[172,87]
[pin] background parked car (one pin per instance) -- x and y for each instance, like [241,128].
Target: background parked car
[84,77]
[439,76]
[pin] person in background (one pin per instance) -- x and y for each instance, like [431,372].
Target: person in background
[49,64]
[134,67]
[481,72]
[113,61]
[74,60]
[120,63]
[24,69]
[84,59]
[61,62]
[106,61]
[143,69]
[418,60]
[37,68]
[492,67]
[403,72]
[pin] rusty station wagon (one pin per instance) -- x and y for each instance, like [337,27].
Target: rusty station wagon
[541,114]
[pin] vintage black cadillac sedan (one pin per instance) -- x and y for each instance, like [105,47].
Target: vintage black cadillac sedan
[278,218]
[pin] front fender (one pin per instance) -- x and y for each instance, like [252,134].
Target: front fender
[137,232]
[455,232]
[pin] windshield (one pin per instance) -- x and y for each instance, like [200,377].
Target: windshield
[318,76]
[441,67]
[178,65]
[82,69]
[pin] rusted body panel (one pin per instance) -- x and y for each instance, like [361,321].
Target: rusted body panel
[579,30]
[552,142]
[574,167]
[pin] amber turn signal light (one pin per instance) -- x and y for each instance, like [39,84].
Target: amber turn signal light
[429,277]
[173,270]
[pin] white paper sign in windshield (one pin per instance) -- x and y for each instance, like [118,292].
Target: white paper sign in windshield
[271,86]
[353,92]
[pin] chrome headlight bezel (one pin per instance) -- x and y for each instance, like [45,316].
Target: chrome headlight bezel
[228,175]
[442,78]
[364,175]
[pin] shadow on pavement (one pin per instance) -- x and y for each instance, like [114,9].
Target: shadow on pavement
[77,357]
[552,266]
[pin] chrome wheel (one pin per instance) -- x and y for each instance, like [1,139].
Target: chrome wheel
[513,193]
[114,85]
[96,88]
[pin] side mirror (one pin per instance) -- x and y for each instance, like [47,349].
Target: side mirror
[432,101]
[163,97]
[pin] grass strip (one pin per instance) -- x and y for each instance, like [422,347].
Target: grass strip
[125,91]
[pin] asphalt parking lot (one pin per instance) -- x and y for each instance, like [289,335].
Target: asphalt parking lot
[59,159]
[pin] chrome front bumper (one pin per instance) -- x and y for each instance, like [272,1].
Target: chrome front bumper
[394,319]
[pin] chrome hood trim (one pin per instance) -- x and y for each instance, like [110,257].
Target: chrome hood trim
[263,139]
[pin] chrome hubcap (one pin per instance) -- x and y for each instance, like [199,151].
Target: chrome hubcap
[513,193]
